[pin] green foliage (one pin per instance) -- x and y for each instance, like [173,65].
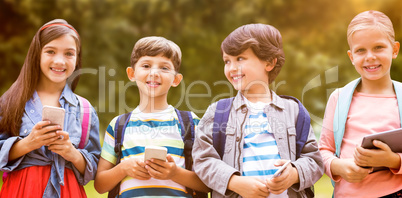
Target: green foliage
[314,37]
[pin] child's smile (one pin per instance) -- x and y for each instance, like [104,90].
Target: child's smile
[153,84]
[58,60]
[246,72]
[372,68]
[237,77]
[154,75]
[371,52]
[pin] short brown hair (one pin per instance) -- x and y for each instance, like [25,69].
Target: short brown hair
[155,45]
[264,40]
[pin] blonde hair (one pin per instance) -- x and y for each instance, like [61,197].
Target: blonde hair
[155,45]
[371,19]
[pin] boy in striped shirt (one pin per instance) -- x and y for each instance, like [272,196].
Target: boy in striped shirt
[260,131]
[155,64]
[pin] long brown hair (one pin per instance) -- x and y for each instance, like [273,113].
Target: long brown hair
[12,102]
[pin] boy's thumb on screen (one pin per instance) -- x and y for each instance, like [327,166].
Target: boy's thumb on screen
[280,162]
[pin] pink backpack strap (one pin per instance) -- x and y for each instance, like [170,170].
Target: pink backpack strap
[4,176]
[85,110]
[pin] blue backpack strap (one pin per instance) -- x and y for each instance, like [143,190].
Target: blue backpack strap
[343,105]
[220,122]
[341,113]
[119,129]
[302,125]
[398,92]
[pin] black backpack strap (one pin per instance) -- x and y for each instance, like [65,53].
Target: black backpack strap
[119,129]
[187,133]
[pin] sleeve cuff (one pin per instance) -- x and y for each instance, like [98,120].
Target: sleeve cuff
[5,166]
[396,171]
[89,173]
[329,172]
[227,191]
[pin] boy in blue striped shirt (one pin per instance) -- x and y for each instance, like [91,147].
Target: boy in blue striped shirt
[155,64]
[260,131]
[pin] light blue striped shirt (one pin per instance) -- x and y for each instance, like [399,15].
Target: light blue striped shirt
[260,148]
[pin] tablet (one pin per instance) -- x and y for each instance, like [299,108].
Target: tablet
[392,138]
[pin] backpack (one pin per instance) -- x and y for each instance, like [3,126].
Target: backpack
[85,118]
[342,110]
[343,105]
[222,116]
[187,134]
[85,109]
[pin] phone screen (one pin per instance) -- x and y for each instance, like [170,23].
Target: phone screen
[53,114]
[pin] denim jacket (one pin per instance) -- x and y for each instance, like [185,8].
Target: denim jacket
[43,156]
[282,116]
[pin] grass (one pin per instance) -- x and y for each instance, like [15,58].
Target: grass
[91,192]
[323,188]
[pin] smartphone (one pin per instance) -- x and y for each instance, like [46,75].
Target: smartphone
[53,114]
[280,170]
[155,152]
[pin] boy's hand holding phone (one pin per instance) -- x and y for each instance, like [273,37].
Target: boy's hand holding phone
[135,167]
[285,180]
[163,170]
[248,186]
[159,164]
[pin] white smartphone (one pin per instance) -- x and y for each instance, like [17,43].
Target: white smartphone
[53,114]
[280,170]
[155,152]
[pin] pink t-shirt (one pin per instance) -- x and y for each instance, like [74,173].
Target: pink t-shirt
[368,114]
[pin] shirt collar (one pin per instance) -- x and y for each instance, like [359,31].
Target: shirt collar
[277,101]
[68,96]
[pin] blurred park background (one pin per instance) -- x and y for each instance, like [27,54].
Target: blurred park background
[314,39]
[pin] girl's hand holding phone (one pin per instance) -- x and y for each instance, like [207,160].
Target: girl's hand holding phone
[63,146]
[42,134]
